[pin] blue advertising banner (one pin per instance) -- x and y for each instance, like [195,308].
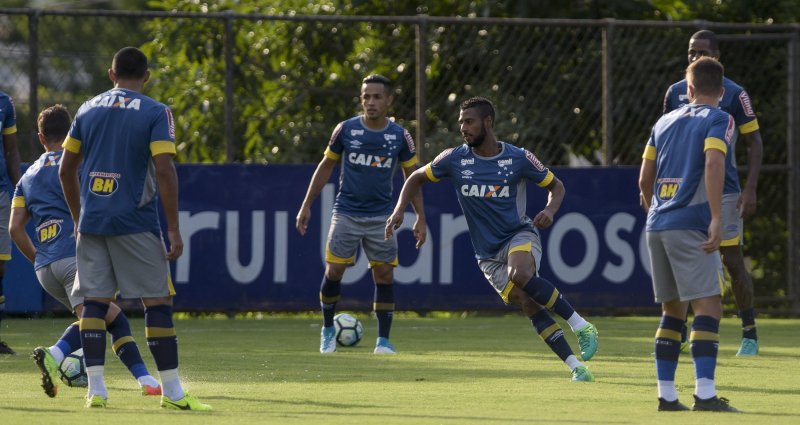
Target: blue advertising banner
[242,252]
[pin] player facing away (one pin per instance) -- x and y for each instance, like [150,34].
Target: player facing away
[737,203]
[489,177]
[370,147]
[9,176]
[39,197]
[122,143]
[681,181]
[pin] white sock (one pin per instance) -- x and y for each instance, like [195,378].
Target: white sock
[667,391]
[148,380]
[171,384]
[572,362]
[704,388]
[576,321]
[97,383]
[57,354]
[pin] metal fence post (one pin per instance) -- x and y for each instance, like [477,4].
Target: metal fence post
[33,77]
[422,28]
[793,157]
[608,113]
[230,151]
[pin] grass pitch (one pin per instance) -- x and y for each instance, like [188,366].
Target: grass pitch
[449,370]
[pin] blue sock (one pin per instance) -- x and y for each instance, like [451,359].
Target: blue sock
[748,323]
[704,342]
[668,347]
[70,340]
[544,293]
[125,347]
[93,333]
[329,294]
[551,334]
[384,308]
[161,337]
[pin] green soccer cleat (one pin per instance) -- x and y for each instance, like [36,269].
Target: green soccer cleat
[587,339]
[49,368]
[582,374]
[713,404]
[671,406]
[749,348]
[188,402]
[96,401]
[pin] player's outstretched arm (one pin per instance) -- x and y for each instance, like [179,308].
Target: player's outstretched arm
[411,188]
[68,174]
[557,191]
[321,176]
[747,202]
[167,179]
[420,226]
[16,229]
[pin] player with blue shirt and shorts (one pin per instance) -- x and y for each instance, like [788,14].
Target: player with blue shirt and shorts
[681,182]
[9,176]
[38,197]
[489,177]
[122,143]
[370,147]
[737,203]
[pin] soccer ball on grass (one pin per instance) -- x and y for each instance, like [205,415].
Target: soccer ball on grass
[73,370]
[348,329]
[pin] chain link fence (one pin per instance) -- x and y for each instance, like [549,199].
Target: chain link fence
[271,88]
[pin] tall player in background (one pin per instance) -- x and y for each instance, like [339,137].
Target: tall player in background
[681,181]
[489,177]
[122,143]
[9,176]
[370,147]
[39,197]
[737,203]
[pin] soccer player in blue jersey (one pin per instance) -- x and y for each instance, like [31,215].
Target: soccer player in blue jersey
[490,179]
[9,176]
[370,147]
[38,197]
[681,180]
[122,143]
[737,203]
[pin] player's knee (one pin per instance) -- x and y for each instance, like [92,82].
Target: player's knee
[520,277]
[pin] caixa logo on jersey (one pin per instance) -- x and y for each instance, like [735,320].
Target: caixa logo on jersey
[49,230]
[103,184]
[667,188]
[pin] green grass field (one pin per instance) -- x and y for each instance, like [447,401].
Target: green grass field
[449,370]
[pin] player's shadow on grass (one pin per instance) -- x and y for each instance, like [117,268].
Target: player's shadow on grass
[299,402]
[469,419]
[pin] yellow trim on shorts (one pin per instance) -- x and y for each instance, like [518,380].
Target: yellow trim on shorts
[649,153]
[429,173]
[549,331]
[18,202]
[703,336]
[331,154]
[10,130]
[5,257]
[721,281]
[506,291]
[153,332]
[92,323]
[170,285]
[330,258]
[524,248]
[162,146]
[329,300]
[731,242]
[668,334]
[393,263]
[71,144]
[547,179]
[411,162]
[714,143]
[116,345]
[382,306]
[749,127]
[553,299]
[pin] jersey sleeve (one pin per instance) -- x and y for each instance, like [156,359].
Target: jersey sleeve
[408,151]
[743,113]
[669,102]
[162,132]
[534,170]
[73,141]
[10,117]
[335,145]
[650,147]
[720,133]
[440,167]
[18,201]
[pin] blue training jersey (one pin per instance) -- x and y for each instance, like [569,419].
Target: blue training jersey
[678,143]
[734,101]
[369,160]
[39,192]
[118,132]
[491,191]
[8,125]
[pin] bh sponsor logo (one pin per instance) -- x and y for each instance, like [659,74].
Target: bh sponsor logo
[103,184]
[667,188]
[49,230]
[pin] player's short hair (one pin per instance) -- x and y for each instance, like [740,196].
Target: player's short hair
[708,35]
[484,105]
[378,79]
[53,123]
[129,63]
[706,74]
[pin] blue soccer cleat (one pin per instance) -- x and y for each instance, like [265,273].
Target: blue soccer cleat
[749,348]
[383,346]
[582,374]
[587,339]
[327,340]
